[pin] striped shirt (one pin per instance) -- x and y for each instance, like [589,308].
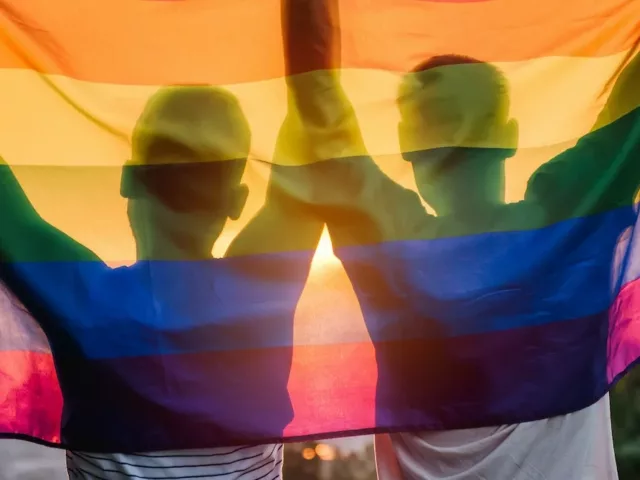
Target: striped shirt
[262,462]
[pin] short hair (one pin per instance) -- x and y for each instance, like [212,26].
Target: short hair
[189,145]
[426,74]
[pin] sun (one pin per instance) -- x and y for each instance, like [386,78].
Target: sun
[324,252]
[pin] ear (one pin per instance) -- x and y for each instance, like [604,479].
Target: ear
[238,201]
[512,136]
[403,140]
[128,180]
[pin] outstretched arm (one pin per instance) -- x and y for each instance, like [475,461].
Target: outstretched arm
[602,171]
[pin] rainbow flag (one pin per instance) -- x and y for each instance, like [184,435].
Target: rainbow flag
[436,225]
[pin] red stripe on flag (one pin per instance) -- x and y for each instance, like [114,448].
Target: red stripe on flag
[30,398]
[322,372]
[624,330]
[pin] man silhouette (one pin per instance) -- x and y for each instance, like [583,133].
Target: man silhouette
[416,296]
[177,349]
[469,104]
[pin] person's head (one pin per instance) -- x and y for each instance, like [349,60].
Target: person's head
[453,107]
[189,152]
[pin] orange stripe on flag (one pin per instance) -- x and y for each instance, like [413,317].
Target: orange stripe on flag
[134,42]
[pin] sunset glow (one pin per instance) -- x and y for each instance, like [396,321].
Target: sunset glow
[324,252]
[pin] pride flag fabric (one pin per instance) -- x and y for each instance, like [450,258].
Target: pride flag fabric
[436,226]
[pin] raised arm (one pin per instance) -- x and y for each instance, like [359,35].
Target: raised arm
[602,171]
[25,236]
[340,182]
[311,37]
[46,270]
[320,124]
